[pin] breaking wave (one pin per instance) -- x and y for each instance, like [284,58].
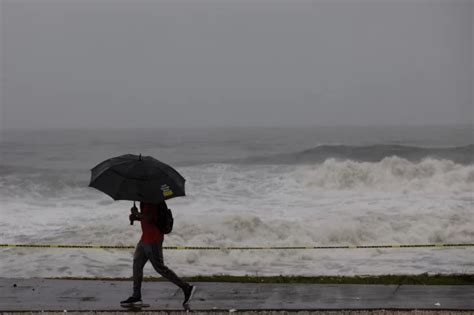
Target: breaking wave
[391,173]
[371,153]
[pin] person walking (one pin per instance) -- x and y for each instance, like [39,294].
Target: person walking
[150,248]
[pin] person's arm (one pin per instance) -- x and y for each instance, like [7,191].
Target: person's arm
[138,216]
[148,217]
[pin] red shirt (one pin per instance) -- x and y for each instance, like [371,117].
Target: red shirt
[150,232]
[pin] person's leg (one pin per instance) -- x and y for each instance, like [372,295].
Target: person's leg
[155,255]
[139,260]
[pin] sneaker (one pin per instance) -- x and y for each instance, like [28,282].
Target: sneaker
[132,301]
[188,295]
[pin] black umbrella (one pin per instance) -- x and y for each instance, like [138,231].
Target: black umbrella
[137,178]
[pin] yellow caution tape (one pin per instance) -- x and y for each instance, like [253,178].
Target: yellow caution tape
[239,247]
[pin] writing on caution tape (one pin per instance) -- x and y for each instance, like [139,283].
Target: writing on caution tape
[226,248]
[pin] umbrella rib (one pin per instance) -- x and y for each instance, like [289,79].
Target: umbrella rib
[124,179]
[108,168]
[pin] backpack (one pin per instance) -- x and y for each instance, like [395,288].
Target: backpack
[165,220]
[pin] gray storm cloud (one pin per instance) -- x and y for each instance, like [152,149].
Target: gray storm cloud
[88,64]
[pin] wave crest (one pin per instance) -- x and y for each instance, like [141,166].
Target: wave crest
[371,153]
[390,173]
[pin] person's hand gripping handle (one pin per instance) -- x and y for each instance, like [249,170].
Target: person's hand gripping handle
[134,213]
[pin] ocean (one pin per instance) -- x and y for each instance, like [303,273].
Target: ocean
[301,186]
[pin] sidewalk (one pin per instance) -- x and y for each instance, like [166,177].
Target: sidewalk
[95,295]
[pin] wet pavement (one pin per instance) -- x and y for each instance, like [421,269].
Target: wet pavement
[98,295]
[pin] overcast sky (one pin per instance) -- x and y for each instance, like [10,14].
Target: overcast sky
[115,63]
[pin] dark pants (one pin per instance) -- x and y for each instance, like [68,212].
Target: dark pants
[154,253]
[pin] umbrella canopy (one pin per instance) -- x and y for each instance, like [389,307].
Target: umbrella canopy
[137,178]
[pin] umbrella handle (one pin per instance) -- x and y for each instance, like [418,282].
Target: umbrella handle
[132,210]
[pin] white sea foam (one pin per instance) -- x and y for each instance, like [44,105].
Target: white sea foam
[392,174]
[337,202]
[334,186]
